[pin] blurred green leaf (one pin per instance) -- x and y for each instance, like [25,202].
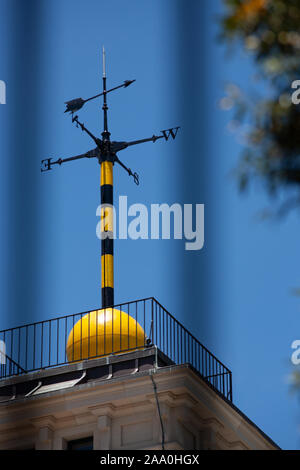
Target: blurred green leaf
[269,31]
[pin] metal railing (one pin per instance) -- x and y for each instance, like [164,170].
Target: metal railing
[9,367]
[99,333]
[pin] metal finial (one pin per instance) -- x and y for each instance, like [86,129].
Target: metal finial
[103,60]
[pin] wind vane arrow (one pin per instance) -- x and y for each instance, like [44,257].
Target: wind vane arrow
[76,104]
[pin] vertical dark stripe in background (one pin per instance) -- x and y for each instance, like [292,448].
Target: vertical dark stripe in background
[196,186]
[22,150]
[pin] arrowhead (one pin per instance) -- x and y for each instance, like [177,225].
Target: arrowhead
[128,82]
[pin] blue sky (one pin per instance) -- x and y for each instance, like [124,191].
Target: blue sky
[235,294]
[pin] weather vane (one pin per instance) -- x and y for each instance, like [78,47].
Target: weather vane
[106,153]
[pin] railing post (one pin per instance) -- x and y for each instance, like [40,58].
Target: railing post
[230,381]
[152,322]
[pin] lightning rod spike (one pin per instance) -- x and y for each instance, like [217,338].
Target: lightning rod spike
[103,59]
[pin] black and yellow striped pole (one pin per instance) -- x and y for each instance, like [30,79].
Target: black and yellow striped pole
[107,228]
[107,242]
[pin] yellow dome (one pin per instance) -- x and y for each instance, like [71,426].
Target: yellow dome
[103,332]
